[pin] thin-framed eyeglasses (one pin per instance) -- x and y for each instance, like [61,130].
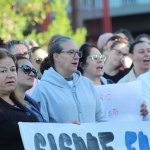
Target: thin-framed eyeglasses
[24,54]
[27,70]
[98,57]
[38,60]
[73,53]
[119,53]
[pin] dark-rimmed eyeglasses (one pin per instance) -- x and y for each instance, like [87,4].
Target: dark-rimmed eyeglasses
[27,70]
[24,54]
[38,60]
[98,57]
[73,53]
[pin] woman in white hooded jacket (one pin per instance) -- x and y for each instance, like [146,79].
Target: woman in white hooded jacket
[63,93]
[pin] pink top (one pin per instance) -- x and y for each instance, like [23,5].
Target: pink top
[30,91]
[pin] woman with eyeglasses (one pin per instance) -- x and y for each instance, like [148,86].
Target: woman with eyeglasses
[13,109]
[91,64]
[20,48]
[64,94]
[25,80]
[116,57]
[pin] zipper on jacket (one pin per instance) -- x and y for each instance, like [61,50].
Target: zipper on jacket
[77,104]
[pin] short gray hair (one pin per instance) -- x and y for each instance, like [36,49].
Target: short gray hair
[55,46]
[11,44]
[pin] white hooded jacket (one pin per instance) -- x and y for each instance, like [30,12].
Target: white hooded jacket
[60,102]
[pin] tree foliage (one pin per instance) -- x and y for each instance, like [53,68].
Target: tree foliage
[20,15]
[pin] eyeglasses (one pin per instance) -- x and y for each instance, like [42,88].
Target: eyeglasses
[119,53]
[98,57]
[73,53]
[24,54]
[38,60]
[27,70]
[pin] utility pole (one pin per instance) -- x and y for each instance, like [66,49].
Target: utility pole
[107,25]
[76,14]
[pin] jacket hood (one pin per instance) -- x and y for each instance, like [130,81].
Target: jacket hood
[56,79]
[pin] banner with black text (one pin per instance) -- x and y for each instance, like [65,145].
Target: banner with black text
[87,136]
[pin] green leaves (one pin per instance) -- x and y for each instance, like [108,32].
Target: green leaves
[18,16]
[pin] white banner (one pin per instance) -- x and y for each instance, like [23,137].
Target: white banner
[92,136]
[122,100]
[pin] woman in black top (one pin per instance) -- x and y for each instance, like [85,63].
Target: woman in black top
[12,108]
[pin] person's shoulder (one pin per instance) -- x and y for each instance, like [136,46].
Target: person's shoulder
[144,76]
[128,77]
[49,74]
[31,101]
[124,78]
[105,81]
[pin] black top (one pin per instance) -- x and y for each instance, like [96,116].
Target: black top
[118,76]
[10,138]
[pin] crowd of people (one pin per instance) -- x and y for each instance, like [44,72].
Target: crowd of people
[58,85]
